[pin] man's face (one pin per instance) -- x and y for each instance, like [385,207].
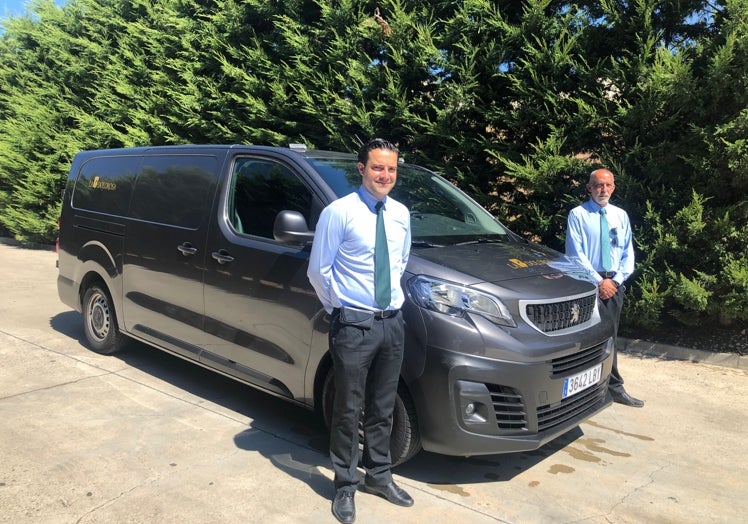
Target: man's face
[601,187]
[379,174]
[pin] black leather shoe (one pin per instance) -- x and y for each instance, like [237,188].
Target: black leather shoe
[621,397]
[343,506]
[392,492]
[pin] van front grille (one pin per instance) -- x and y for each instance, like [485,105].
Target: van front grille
[555,316]
[511,412]
[550,416]
[572,364]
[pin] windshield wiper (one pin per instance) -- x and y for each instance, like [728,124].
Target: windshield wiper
[482,241]
[423,243]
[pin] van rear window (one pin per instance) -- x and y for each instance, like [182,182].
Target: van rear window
[104,184]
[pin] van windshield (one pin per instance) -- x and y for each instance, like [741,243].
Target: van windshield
[440,213]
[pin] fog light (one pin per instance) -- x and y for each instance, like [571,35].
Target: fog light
[470,409]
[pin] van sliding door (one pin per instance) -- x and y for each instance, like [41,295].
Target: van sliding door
[164,256]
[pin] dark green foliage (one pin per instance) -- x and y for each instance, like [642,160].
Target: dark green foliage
[515,101]
[694,266]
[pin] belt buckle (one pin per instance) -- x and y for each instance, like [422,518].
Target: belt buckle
[387,313]
[383,313]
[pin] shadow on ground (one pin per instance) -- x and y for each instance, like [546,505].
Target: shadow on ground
[293,438]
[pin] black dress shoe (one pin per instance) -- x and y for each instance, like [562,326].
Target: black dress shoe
[343,506]
[392,492]
[621,397]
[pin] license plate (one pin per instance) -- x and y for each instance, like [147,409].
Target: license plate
[581,381]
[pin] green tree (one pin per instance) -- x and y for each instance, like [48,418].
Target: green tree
[513,101]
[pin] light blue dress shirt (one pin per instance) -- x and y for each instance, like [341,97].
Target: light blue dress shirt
[583,239]
[341,265]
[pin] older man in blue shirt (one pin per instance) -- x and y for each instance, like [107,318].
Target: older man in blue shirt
[599,235]
[360,250]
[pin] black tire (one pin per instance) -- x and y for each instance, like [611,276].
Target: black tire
[405,442]
[100,321]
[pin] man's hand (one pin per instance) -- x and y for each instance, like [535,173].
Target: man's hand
[607,288]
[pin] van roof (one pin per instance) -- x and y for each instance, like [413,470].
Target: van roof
[181,148]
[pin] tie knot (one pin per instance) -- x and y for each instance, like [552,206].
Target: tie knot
[602,211]
[379,205]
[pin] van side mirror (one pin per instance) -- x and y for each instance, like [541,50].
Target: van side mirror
[290,227]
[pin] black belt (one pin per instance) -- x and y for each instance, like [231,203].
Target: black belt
[607,274]
[379,315]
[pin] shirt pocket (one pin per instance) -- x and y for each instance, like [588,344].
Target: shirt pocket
[616,238]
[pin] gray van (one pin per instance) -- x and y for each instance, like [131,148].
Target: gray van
[202,251]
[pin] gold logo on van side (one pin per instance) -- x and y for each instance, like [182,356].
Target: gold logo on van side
[97,183]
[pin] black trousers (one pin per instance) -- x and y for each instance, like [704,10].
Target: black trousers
[367,369]
[614,305]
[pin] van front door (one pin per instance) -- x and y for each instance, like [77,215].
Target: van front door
[259,304]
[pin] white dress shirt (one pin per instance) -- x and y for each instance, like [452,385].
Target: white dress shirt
[341,265]
[583,239]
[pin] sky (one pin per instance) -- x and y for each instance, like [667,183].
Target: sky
[17,7]
[12,7]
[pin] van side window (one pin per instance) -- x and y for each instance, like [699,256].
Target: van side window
[104,184]
[263,188]
[175,190]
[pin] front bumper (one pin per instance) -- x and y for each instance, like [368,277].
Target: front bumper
[473,405]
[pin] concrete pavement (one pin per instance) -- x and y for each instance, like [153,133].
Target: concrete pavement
[146,437]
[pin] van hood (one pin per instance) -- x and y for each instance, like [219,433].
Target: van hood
[497,262]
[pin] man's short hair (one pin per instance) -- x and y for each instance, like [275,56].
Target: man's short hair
[375,143]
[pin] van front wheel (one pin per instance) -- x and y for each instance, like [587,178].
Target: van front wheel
[405,442]
[100,322]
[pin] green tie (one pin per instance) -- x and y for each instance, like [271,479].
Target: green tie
[382,284]
[605,241]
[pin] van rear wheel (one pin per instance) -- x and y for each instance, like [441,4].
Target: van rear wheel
[405,442]
[100,321]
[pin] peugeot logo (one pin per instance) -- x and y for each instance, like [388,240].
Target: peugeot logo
[575,313]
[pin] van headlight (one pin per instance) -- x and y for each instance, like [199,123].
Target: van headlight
[451,299]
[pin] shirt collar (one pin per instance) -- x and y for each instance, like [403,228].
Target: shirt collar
[368,199]
[593,206]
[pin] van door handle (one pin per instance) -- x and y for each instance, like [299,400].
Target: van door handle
[222,256]
[187,249]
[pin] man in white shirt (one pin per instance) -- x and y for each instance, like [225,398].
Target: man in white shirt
[359,285]
[599,235]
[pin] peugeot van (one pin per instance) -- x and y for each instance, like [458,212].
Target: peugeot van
[202,251]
